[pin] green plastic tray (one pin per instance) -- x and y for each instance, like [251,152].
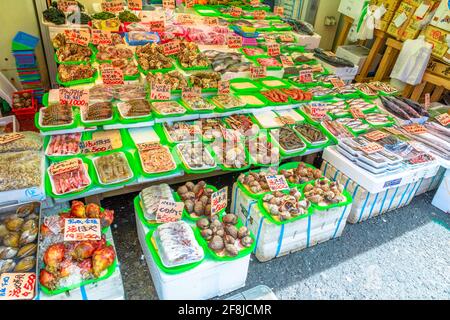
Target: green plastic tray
[257,86]
[335,205]
[294,165]
[140,213]
[96,179]
[76,121]
[284,84]
[78,82]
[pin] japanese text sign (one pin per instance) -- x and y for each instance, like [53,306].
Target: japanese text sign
[169,211]
[277,182]
[219,200]
[15,286]
[76,229]
[73,97]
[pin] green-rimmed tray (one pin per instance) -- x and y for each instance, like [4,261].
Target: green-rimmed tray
[263,55]
[145,72]
[255,86]
[260,97]
[78,82]
[130,120]
[315,145]
[294,165]
[73,63]
[140,213]
[47,140]
[283,83]
[73,125]
[285,153]
[206,11]
[330,206]
[95,123]
[190,170]
[200,111]
[139,168]
[227,168]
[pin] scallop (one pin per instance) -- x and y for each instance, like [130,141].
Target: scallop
[7,252]
[26,264]
[27,250]
[29,225]
[25,210]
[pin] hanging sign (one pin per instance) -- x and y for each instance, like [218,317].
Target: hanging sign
[286,61]
[112,6]
[64,166]
[415,128]
[277,182]
[99,36]
[135,5]
[273,49]
[160,91]
[371,147]
[278,10]
[68,6]
[78,36]
[17,286]
[172,47]
[190,93]
[9,137]
[234,41]
[443,119]
[376,135]
[111,75]
[73,97]
[357,113]
[95,146]
[219,200]
[76,229]
[169,211]
[223,87]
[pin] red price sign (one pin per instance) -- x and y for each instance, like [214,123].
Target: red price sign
[357,113]
[76,229]
[286,61]
[9,137]
[95,146]
[185,18]
[371,147]
[393,131]
[273,49]
[305,76]
[234,41]
[146,146]
[157,26]
[160,91]
[219,200]
[64,166]
[78,36]
[190,93]
[236,12]
[259,14]
[99,36]
[376,135]
[168,4]
[134,4]
[172,47]
[67,6]
[415,128]
[169,211]
[443,119]
[17,286]
[189,3]
[257,72]
[317,110]
[73,97]
[223,87]
[211,21]
[279,11]
[111,75]
[337,83]
[277,182]
[113,6]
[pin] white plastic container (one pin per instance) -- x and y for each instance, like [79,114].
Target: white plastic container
[442,196]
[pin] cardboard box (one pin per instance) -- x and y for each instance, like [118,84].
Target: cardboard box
[439,68]
[357,55]
[441,18]
[415,24]
[351,8]
[437,37]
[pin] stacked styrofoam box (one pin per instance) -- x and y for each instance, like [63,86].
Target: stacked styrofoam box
[431,183]
[208,280]
[274,240]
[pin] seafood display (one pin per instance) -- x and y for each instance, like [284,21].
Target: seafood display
[301,174]
[198,103]
[256,182]
[382,86]
[288,139]
[19,228]
[57,115]
[285,206]
[157,159]
[289,117]
[168,107]
[332,59]
[19,170]
[22,100]
[269,62]
[324,192]
[142,37]
[262,150]
[134,108]
[253,51]
[403,108]
[196,156]
[64,144]
[227,101]
[129,92]
[190,56]
[151,57]
[97,111]
[177,244]
[297,94]
[227,61]
[68,73]
[112,168]
[101,93]
[243,124]
[300,26]
[205,80]
[182,131]
[28,141]
[150,198]
[365,89]
[70,180]
[208,36]
[231,155]
[71,52]
[355,125]
[361,104]
[196,198]
[298,57]
[338,109]
[128,66]
[378,119]
[174,78]
[276,95]
[320,91]
[223,236]
[312,134]
[211,128]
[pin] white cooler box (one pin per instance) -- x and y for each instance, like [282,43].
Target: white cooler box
[273,240]
[442,196]
[208,280]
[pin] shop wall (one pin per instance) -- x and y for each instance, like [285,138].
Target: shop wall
[18,15]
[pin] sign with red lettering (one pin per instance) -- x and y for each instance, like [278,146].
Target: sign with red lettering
[190,93]
[113,6]
[234,41]
[157,25]
[286,61]
[95,146]
[223,87]
[185,18]
[159,91]
[64,166]
[134,4]
[172,47]
[259,14]
[393,131]
[17,286]
[78,36]
[100,36]
[443,119]
[169,211]
[376,135]
[278,10]
[73,97]
[168,4]
[337,83]
[67,6]
[371,147]
[277,182]
[305,76]
[415,128]
[273,49]
[257,72]
[146,146]
[189,3]
[357,113]
[211,21]
[236,12]
[111,75]
[427,100]
[9,137]
[76,229]
[219,200]
[317,110]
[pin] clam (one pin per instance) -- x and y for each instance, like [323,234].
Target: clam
[7,265]
[219,232]
[11,239]
[14,223]
[25,264]
[285,215]
[203,223]
[231,250]
[29,225]
[229,239]
[231,230]
[243,232]
[230,219]
[216,243]
[207,234]
[25,210]
[247,241]
[27,250]
[3,230]
[7,252]
[28,236]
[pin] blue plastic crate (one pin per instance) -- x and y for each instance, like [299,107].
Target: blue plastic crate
[142,42]
[24,41]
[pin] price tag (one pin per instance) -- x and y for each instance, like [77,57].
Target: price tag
[257,72]
[376,135]
[259,14]
[147,146]
[223,86]
[16,286]
[337,83]
[9,137]
[415,128]
[255,2]
[99,36]
[184,18]
[160,91]
[67,6]
[73,97]
[357,113]
[286,38]
[111,75]
[113,6]
[78,36]
[317,110]
[371,147]
[443,119]
[273,49]
[76,229]
[219,200]
[95,146]
[168,4]
[234,41]
[189,3]
[277,182]
[157,26]
[269,38]
[169,211]
[305,76]
[278,10]
[135,5]
[236,12]
[190,93]
[64,166]
[427,101]
[286,61]
[172,47]
[211,21]
[393,131]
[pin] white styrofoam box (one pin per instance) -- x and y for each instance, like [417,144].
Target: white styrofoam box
[367,204]
[358,55]
[440,18]
[10,119]
[310,42]
[431,183]
[374,183]
[273,241]
[208,280]
[442,196]
[342,72]
[351,8]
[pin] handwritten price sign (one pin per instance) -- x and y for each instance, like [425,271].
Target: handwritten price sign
[337,83]
[146,146]
[236,12]
[135,5]
[157,26]
[113,6]
[273,49]
[73,97]
[357,113]
[185,18]
[257,72]
[172,47]
[78,36]
[189,3]
[9,137]
[95,146]
[286,61]
[223,87]
[67,6]
[111,75]
[277,182]
[234,41]
[279,11]
[168,4]
[100,36]
[219,200]
[17,286]
[169,211]
[317,110]
[190,93]
[64,166]
[415,128]
[376,135]
[81,229]
[371,147]
[211,21]
[259,14]
[443,119]
[160,91]
[305,76]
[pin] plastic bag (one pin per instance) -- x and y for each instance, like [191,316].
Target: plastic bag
[20,170]
[31,141]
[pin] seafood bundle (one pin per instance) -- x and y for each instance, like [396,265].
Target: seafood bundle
[320,91]
[168,107]
[97,111]
[300,26]
[56,115]
[19,170]
[112,168]
[230,154]
[256,182]
[196,198]
[227,61]
[432,141]
[70,180]
[285,206]
[101,93]
[174,78]
[301,174]
[211,128]
[127,66]
[22,100]
[311,133]
[355,125]
[403,108]
[18,238]
[269,62]
[297,94]
[338,109]
[68,73]
[151,57]
[275,95]
[337,129]
[382,86]
[196,156]
[29,141]
[190,56]
[107,52]
[378,119]
[205,80]
[288,139]
[151,197]
[134,108]
[262,150]
[223,237]
[208,36]
[71,52]
[157,159]
[177,244]
[243,124]
[324,192]
[365,89]
[182,131]
[227,101]
[64,144]
[361,104]
[129,92]
[347,89]
[198,103]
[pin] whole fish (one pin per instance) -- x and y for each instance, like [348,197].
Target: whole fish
[405,107]
[438,131]
[421,110]
[394,109]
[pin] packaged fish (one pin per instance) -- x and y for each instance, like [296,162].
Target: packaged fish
[64,145]
[151,197]
[198,104]
[99,111]
[227,101]
[129,92]
[168,107]
[69,177]
[56,115]
[136,108]
[101,93]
